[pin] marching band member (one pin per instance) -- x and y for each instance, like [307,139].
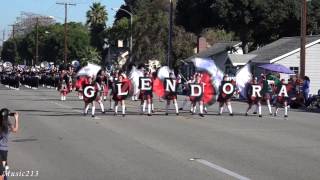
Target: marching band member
[284,94]
[266,92]
[104,84]
[253,98]
[99,91]
[186,91]
[111,83]
[63,90]
[146,95]
[89,100]
[120,92]
[171,96]
[225,99]
[64,85]
[197,99]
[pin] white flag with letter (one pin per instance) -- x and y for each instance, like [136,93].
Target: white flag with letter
[243,77]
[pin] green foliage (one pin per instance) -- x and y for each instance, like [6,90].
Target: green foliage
[91,55]
[215,35]
[51,43]
[314,17]
[150,31]
[9,51]
[256,21]
[97,17]
[183,45]
[119,31]
[195,16]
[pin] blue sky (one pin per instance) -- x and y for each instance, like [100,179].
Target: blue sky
[10,9]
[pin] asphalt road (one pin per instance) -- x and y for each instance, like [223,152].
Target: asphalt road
[57,142]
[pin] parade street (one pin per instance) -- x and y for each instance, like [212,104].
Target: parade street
[58,142]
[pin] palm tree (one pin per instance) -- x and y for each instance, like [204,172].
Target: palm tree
[97,17]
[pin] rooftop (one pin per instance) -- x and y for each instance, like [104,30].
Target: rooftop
[280,47]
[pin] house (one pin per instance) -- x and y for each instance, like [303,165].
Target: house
[286,51]
[218,52]
[235,62]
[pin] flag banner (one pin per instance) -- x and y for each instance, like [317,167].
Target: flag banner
[243,77]
[89,70]
[209,96]
[211,77]
[208,65]
[134,76]
[158,84]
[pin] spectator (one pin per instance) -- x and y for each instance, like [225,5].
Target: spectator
[306,88]
[5,128]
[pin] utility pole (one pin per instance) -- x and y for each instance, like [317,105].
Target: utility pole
[3,36]
[303,38]
[13,29]
[170,35]
[65,29]
[37,41]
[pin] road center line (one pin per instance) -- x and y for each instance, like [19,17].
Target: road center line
[219,168]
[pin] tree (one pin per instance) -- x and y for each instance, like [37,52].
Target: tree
[9,51]
[129,5]
[96,20]
[183,45]
[314,17]
[150,31]
[240,16]
[213,35]
[51,44]
[90,55]
[195,16]
[119,31]
[277,19]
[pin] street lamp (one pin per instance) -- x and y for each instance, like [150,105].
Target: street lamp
[131,21]
[37,36]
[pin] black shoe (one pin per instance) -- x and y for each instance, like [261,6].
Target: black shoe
[192,113]
[167,114]
[255,113]
[270,114]
[177,114]
[285,116]
[275,114]
[123,115]
[92,116]
[115,114]
[103,112]
[246,114]
[230,114]
[219,114]
[180,109]
[149,114]
[201,115]
[152,111]
[260,116]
